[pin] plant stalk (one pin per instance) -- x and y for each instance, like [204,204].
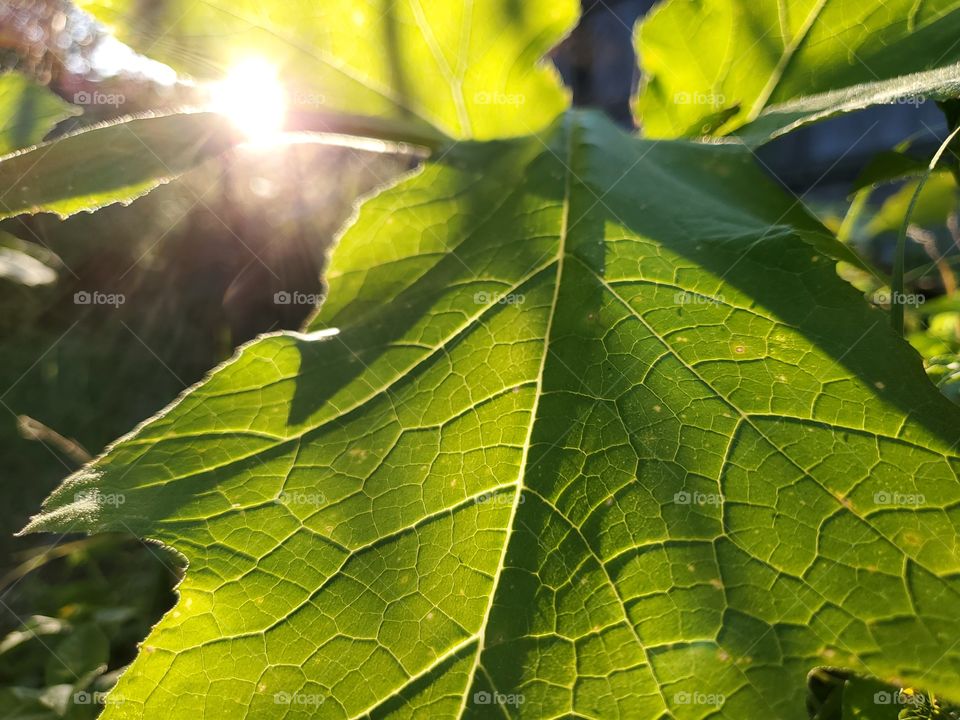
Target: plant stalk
[896,306]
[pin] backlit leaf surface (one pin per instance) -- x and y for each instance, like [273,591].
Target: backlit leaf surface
[28,111]
[604,438]
[110,163]
[468,69]
[759,68]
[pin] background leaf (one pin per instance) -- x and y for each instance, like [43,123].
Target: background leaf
[937,200]
[767,66]
[110,163]
[28,111]
[26,263]
[471,70]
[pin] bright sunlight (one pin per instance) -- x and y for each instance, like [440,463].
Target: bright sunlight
[252,97]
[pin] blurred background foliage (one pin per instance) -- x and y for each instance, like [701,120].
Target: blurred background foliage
[199,261]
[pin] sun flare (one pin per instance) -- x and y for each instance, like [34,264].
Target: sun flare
[252,97]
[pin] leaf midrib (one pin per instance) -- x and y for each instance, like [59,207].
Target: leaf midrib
[789,52]
[568,129]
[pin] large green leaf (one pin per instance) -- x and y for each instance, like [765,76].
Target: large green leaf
[603,438]
[110,163]
[468,69]
[763,67]
[28,111]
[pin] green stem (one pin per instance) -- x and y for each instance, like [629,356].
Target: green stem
[845,233]
[896,306]
[391,130]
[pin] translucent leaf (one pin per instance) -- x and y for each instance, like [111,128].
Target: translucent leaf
[760,68]
[469,69]
[28,111]
[115,162]
[603,438]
